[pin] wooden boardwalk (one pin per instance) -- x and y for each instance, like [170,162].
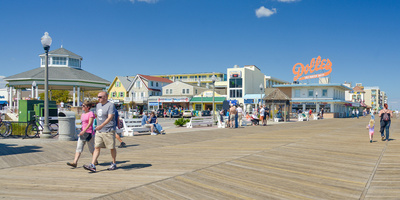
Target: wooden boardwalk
[325,159]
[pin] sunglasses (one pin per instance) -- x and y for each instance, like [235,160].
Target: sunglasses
[85,106]
[99,97]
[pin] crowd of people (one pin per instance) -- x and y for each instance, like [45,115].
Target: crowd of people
[235,116]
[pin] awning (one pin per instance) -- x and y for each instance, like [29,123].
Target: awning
[3,102]
[207,99]
[253,96]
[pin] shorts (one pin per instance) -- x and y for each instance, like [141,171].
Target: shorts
[232,117]
[371,133]
[105,140]
[261,118]
[81,143]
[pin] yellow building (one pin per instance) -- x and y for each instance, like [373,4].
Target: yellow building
[195,78]
[118,88]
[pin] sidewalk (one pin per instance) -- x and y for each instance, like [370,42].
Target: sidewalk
[324,159]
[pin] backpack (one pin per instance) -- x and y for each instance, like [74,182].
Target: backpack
[385,117]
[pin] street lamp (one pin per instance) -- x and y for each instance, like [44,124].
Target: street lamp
[213,78]
[46,42]
[261,89]
[316,96]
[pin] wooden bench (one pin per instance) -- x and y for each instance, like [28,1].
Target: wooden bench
[302,118]
[222,124]
[278,119]
[132,125]
[198,121]
[245,122]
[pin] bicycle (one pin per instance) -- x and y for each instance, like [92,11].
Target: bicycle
[5,128]
[35,128]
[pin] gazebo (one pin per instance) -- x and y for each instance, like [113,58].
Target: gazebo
[65,73]
[275,97]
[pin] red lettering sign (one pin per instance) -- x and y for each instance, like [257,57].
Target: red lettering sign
[315,65]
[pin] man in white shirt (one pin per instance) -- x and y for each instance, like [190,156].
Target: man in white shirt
[262,111]
[240,115]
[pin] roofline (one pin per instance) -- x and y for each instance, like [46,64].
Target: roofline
[69,80]
[313,84]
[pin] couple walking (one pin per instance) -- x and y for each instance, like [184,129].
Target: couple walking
[105,132]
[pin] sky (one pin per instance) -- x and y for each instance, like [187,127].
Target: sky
[129,37]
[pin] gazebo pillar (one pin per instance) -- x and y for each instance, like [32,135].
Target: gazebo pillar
[18,97]
[79,96]
[73,97]
[10,103]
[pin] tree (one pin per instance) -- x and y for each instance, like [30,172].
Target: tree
[57,95]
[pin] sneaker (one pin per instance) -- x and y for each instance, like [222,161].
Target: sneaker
[153,133]
[113,166]
[90,167]
[71,164]
[370,141]
[122,145]
[163,132]
[383,138]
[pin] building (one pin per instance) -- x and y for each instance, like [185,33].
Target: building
[373,97]
[315,96]
[118,89]
[199,79]
[177,94]
[142,87]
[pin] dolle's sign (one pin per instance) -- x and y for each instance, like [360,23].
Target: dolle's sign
[300,71]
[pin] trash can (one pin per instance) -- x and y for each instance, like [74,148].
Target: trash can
[66,126]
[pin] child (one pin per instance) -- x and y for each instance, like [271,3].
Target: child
[371,126]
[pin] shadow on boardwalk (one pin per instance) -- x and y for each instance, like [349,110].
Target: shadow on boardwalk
[11,149]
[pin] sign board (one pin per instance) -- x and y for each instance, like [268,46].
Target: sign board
[235,74]
[301,72]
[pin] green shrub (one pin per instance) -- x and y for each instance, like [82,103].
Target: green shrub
[181,121]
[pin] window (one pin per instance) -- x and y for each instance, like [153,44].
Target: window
[198,107]
[114,94]
[59,61]
[137,84]
[187,91]
[151,83]
[235,83]
[324,92]
[310,93]
[196,91]
[142,94]
[183,91]
[73,62]
[170,91]
[166,91]
[121,94]
[156,84]
[296,93]
[235,93]
[117,84]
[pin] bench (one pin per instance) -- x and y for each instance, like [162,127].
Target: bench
[276,119]
[132,125]
[245,122]
[222,124]
[302,118]
[198,121]
[315,117]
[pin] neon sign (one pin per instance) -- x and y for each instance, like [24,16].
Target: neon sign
[315,65]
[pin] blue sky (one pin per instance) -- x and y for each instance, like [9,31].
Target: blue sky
[122,37]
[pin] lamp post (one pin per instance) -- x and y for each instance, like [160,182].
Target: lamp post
[261,89]
[213,78]
[46,42]
[316,96]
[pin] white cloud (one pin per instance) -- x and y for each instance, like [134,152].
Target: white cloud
[146,1]
[265,12]
[288,1]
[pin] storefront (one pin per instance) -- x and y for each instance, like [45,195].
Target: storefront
[174,102]
[204,101]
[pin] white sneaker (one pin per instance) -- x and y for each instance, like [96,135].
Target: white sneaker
[163,132]
[153,133]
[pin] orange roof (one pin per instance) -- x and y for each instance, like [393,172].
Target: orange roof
[358,89]
[153,78]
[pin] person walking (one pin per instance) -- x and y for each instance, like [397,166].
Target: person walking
[240,115]
[370,127]
[353,113]
[86,135]
[118,126]
[385,114]
[232,115]
[357,113]
[105,131]
[262,116]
